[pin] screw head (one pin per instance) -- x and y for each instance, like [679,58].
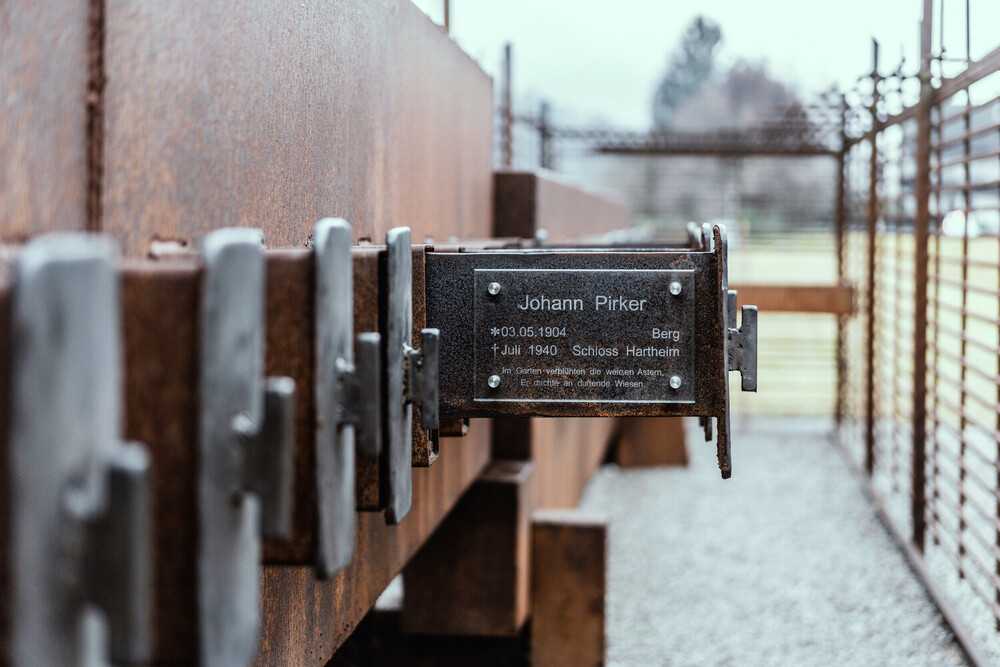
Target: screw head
[675,381]
[493,381]
[675,288]
[493,288]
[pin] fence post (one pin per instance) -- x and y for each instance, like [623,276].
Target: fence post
[507,120]
[921,232]
[544,137]
[872,222]
[840,224]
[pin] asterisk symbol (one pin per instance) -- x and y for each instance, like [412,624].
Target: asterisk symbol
[495,331]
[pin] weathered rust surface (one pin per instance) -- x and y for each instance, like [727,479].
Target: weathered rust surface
[290,351]
[650,441]
[569,560]
[160,306]
[451,308]
[280,114]
[424,445]
[526,201]
[330,610]
[471,577]
[834,299]
[567,453]
[43,117]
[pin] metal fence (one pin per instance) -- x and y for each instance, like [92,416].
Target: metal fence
[921,414]
[914,376]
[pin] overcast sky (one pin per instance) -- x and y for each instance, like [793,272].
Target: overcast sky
[601,60]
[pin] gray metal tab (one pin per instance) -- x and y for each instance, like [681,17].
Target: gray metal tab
[245,423]
[743,349]
[348,395]
[398,476]
[80,527]
[422,373]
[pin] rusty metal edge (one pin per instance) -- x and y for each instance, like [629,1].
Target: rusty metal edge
[916,562]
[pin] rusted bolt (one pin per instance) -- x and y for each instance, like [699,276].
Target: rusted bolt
[493,288]
[675,381]
[675,289]
[493,381]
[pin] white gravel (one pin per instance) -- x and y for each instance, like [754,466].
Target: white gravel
[784,564]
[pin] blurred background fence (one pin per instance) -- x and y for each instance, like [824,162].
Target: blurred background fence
[892,189]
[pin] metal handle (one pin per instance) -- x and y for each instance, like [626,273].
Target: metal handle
[368,405]
[271,457]
[119,554]
[422,387]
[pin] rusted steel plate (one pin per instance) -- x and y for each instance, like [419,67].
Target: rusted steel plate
[834,299]
[552,339]
[650,441]
[284,113]
[425,444]
[567,453]
[472,575]
[306,620]
[569,571]
[525,202]
[160,305]
[43,117]
[290,352]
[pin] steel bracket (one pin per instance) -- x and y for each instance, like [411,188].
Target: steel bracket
[246,436]
[348,394]
[743,343]
[411,376]
[80,526]
[421,377]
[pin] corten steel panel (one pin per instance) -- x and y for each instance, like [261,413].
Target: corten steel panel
[526,201]
[569,565]
[160,302]
[305,621]
[282,113]
[835,299]
[567,453]
[290,351]
[471,577]
[43,117]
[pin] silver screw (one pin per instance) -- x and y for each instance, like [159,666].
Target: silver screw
[493,288]
[493,381]
[675,381]
[675,288]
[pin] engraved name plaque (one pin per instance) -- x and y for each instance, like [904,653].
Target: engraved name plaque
[584,336]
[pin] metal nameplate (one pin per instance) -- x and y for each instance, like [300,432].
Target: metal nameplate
[584,335]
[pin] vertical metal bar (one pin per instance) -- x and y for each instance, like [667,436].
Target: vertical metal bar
[507,145]
[872,223]
[963,368]
[997,423]
[544,137]
[921,228]
[840,222]
[447,16]
[936,470]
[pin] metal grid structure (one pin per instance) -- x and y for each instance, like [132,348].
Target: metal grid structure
[921,414]
[915,229]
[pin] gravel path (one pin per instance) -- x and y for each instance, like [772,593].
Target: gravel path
[784,564]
